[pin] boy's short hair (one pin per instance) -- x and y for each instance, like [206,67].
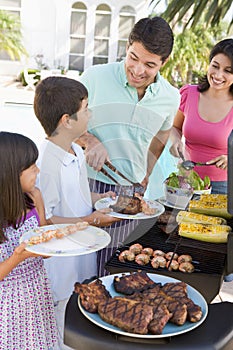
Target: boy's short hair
[56,96]
[154,34]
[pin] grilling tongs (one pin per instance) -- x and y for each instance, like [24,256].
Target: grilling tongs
[137,187]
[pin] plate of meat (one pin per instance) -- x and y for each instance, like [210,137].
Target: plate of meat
[128,207]
[66,239]
[142,305]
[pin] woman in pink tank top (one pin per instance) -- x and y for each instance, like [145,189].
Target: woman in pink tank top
[205,118]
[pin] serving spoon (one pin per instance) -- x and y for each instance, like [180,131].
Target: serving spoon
[189,164]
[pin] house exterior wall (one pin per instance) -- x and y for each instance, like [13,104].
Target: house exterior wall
[46,31]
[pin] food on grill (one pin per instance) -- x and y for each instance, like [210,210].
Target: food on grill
[45,236]
[134,282]
[148,251]
[172,265]
[206,233]
[136,248]
[132,205]
[157,258]
[189,217]
[91,294]
[184,258]
[214,198]
[158,261]
[126,255]
[186,267]
[158,252]
[142,259]
[129,315]
[211,204]
[171,255]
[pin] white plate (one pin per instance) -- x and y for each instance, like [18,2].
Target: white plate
[81,242]
[169,330]
[163,201]
[106,202]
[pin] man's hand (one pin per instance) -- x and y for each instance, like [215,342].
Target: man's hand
[95,152]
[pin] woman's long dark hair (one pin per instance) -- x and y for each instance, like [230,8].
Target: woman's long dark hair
[226,48]
[17,153]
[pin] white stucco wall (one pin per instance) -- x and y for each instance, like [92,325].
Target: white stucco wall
[46,29]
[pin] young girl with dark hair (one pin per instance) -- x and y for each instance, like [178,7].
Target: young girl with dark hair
[26,308]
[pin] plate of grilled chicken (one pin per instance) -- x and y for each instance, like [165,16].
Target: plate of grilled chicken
[142,305]
[131,207]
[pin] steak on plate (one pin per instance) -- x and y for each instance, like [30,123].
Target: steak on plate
[178,291]
[91,294]
[129,315]
[127,205]
[134,282]
[156,297]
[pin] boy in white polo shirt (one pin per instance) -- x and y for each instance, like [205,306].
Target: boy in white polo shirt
[61,105]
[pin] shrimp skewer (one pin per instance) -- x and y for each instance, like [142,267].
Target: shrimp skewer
[45,236]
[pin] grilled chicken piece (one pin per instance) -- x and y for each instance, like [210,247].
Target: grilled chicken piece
[135,282]
[91,294]
[178,291]
[129,315]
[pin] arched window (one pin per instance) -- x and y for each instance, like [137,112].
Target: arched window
[77,36]
[126,23]
[102,34]
[13,7]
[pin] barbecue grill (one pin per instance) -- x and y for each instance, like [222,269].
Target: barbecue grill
[212,261]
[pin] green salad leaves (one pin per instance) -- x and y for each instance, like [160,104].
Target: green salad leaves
[188,179]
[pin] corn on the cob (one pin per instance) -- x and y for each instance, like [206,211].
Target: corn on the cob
[207,204]
[206,233]
[212,208]
[189,217]
[213,198]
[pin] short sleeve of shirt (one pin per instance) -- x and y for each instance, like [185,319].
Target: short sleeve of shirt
[50,195]
[184,94]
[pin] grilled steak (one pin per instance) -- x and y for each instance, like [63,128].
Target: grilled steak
[135,282]
[156,297]
[91,294]
[129,315]
[127,205]
[178,291]
[160,319]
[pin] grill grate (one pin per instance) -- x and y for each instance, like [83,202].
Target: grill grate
[205,259]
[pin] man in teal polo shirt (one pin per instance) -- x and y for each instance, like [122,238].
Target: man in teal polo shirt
[132,112]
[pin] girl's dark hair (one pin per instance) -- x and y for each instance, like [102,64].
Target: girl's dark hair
[17,153]
[56,96]
[155,35]
[224,47]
